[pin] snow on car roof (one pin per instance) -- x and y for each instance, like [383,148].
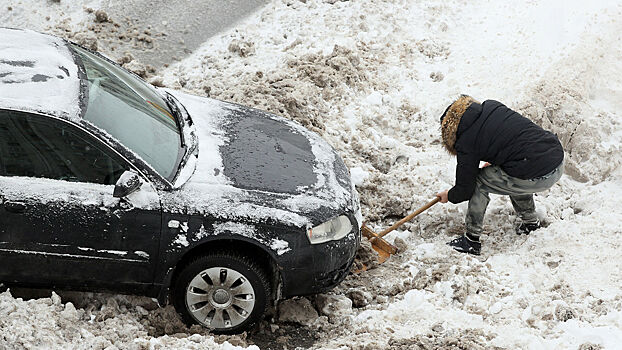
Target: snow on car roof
[38,73]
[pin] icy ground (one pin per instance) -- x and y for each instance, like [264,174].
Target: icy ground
[373,77]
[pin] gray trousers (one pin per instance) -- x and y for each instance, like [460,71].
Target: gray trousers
[492,179]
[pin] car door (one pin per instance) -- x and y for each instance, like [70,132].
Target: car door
[59,222]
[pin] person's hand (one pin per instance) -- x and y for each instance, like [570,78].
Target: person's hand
[486,165]
[443,196]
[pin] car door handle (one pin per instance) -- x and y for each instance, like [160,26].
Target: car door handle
[15,207]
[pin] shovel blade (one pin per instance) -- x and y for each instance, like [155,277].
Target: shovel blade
[383,255]
[379,244]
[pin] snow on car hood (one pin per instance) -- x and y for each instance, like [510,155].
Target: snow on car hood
[258,166]
[38,73]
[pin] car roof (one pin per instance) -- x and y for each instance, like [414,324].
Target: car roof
[38,73]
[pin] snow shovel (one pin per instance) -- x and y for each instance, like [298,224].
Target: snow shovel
[380,245]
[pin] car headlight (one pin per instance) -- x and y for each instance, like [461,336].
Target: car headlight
[332,230]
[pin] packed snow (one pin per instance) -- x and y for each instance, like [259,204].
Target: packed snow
[372,77]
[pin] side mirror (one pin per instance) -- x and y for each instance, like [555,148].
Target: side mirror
[128,183]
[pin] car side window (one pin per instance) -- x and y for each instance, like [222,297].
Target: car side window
[36,146]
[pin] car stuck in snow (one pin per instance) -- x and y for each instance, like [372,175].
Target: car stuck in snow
[108,183]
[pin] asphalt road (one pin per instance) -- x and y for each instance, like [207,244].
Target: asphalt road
[187,23]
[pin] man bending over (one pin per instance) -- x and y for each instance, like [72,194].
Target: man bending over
[522,158]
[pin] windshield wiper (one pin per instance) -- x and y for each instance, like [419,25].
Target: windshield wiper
[172,105]
[183,120]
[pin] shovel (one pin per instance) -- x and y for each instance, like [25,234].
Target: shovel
[380,245]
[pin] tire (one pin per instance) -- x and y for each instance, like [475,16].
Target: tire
[223,291]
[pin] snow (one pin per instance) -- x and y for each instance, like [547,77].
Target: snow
[115,252]
[142,254]
[46,15]
[492,50]
[208,190]
[359,175]
[207,114]
[55,191]
[186,171]
[181,240]
[63,193]
[279,246]
[41,76]
[237,227]
[399,64]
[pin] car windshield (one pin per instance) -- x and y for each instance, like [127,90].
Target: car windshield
[132,112]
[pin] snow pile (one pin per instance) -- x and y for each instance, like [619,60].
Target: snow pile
[578,100]
[85,23]
[373,77]
[101,323]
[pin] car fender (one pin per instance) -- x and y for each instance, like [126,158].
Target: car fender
[193,239]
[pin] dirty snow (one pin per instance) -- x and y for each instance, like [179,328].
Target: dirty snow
[373,77]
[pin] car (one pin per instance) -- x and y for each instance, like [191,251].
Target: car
[108,183]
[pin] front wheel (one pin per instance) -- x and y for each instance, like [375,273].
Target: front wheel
[223,291]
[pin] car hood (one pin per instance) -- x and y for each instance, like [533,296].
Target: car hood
[260,166]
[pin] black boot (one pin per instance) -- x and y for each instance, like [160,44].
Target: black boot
[526,228]
[466,244]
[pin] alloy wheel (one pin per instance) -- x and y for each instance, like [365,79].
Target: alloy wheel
[220,298]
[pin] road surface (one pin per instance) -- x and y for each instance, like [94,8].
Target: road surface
[187,24]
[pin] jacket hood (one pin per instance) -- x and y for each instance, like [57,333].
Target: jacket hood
[451,120]
[267,164]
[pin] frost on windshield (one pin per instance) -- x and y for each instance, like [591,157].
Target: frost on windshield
[38,73]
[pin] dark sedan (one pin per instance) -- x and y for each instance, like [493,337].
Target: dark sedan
[107,183]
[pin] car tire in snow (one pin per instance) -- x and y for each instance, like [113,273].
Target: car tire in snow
[223,291]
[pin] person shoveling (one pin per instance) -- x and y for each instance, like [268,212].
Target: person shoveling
[521,159]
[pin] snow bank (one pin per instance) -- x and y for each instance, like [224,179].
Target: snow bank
[104,323]
[374,88]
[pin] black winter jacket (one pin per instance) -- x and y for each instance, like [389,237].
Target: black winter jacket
[493,133]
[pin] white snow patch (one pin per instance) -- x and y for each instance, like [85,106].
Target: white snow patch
[142,254]
[359,175]
[207,115]
[201,234]
[235,227]
[38,76]
[184,227]
[181,240]
[115,252]
[279,246]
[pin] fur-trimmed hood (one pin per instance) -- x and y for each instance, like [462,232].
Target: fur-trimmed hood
[451,119]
